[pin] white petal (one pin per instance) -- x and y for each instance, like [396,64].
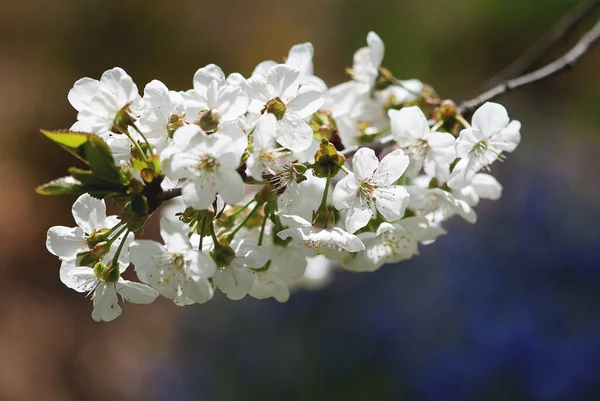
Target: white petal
[144,254]
[392,202]
[486,186]
[263,68]
[232,102]
[136,293]
[106,303]
[407,125]
[344,192]
[199,193]
[235,282]
[294,133]
[248,253]
[65,242]
[89,212]
[82,93]
[364,163]
[264,132]
[490,118]
[309,100]
[391,168]
[199,291]
[301,58]
[229,185]
[207,75]
[80,279]
[284,80]
[174,233]
[357,217]
[377,48]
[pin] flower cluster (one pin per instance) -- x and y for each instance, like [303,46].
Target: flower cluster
[264,182]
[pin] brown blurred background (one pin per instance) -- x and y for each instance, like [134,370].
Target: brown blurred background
[50,349]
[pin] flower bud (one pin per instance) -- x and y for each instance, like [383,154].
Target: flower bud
[123,120]
[328,161]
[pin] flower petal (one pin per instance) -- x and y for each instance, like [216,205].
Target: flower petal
[65,242]
[309,100]
[136,293]
[106,303]
[89,213]
[391,168]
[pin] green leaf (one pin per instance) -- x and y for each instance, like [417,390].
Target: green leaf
[100,159]
[70,141]
[89,148]
[62,186]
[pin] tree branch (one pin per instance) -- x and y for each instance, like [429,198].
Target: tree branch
[560,31]
[565,62]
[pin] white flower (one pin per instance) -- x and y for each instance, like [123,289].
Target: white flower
[279,93]
[300,57]
[159,110]
[175,270]
[215,99]
[425,148]
[492,133]
[438,205]
[483,186]
[236,279]
[269,283]
[70,243]
[105,286]
[265,158]
[371,188]
[367,60]
[99,102]
[318,273]
[208,163]
[392,243]
[320,239]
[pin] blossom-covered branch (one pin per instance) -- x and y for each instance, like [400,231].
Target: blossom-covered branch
[277,177]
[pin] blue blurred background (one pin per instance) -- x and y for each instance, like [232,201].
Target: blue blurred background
[506,309]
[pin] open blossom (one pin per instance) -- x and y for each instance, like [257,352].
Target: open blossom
[207,163]
[300,57]
[236,278]
[89,239]
[371,188]
[176,270]
[215,100]
[432,150]
[104,284]
[483,186]
[99,102]
[253,180]
[319,239]
[279,93]
[438,205]
[392,243]
[160,113]
[479,146]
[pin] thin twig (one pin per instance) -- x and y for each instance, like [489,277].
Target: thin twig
[559,32]
[565,62]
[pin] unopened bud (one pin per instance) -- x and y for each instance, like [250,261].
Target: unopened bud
[328,161]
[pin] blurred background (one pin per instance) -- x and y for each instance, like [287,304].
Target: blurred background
[506,309]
